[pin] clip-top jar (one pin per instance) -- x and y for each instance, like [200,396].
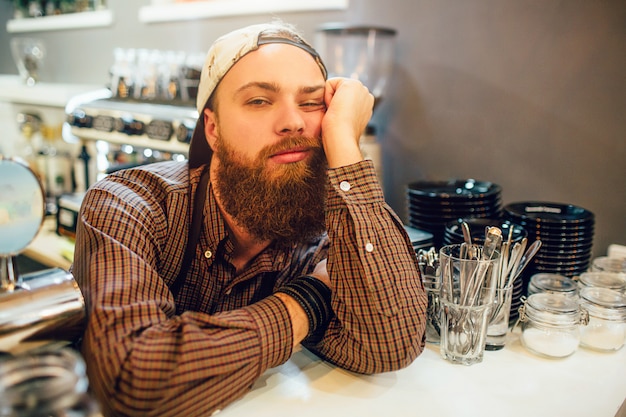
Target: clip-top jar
[608,264]
[550,324]
[606,330]
[611,280]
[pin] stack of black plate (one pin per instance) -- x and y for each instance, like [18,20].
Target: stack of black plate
[566,233]
[433,204]
[454,234]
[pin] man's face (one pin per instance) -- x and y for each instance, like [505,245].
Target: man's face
[274,92]
[269,166]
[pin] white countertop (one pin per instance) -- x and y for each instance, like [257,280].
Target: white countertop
[508,383]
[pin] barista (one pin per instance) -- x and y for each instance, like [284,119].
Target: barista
[200,276]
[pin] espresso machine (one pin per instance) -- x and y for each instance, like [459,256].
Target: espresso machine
[146,114]
[42,314]
[116,133]
[365,53]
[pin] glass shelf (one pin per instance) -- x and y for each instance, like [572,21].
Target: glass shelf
[82,20]
[219,8]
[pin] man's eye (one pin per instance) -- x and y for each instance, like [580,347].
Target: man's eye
[313,104]
[257,101]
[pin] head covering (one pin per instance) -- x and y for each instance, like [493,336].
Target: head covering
[223,54]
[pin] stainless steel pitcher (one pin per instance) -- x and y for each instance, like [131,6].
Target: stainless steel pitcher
[47,309]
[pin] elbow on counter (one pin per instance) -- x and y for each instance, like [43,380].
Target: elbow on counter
[369,362]
[397,354]
[386,350]
[399,340]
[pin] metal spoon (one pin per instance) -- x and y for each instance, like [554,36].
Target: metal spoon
[465,253]
[519,248]
[526,258]
[467,236]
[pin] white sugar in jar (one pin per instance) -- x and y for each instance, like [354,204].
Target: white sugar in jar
[606,330]
[550,324]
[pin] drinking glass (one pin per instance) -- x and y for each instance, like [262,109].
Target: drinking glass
[433,312]
[468,283]
[28,55]
[499,318]
[463,331]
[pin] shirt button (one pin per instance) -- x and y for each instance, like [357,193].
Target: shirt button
[369,247]
[344,185]
[208,254]
[227,292]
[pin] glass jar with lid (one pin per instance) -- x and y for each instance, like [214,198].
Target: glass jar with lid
[608,264]
[606,330]
[611,280]
[550,324]
[552,283]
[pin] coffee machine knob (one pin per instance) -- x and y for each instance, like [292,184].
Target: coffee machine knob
[159,130]
[184,131]
[79,118]
[129,126]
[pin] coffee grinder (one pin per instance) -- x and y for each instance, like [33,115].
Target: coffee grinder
[365,53]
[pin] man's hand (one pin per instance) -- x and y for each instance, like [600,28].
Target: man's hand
[321,273]
[349,108]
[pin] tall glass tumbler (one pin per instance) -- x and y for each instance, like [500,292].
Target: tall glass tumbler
[468,283]
[499,318]
[429,266]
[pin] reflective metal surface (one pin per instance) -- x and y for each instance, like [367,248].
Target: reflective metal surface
[48,310]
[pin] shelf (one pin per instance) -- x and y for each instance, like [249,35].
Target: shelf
[82,20]
[220,8]
[14,90]
[143,141]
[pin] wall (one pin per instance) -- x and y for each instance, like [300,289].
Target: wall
[529,94]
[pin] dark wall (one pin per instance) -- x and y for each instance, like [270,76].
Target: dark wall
[529,94]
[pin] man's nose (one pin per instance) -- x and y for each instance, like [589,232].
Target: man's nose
[291,120]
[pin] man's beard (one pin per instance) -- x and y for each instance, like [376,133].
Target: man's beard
[286,204]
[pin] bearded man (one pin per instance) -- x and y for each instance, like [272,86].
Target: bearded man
[198,276]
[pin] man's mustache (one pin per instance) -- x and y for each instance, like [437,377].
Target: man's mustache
[291,142]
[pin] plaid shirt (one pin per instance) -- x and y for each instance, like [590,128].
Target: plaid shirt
[150,354]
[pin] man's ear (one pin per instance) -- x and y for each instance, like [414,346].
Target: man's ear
[210,127]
